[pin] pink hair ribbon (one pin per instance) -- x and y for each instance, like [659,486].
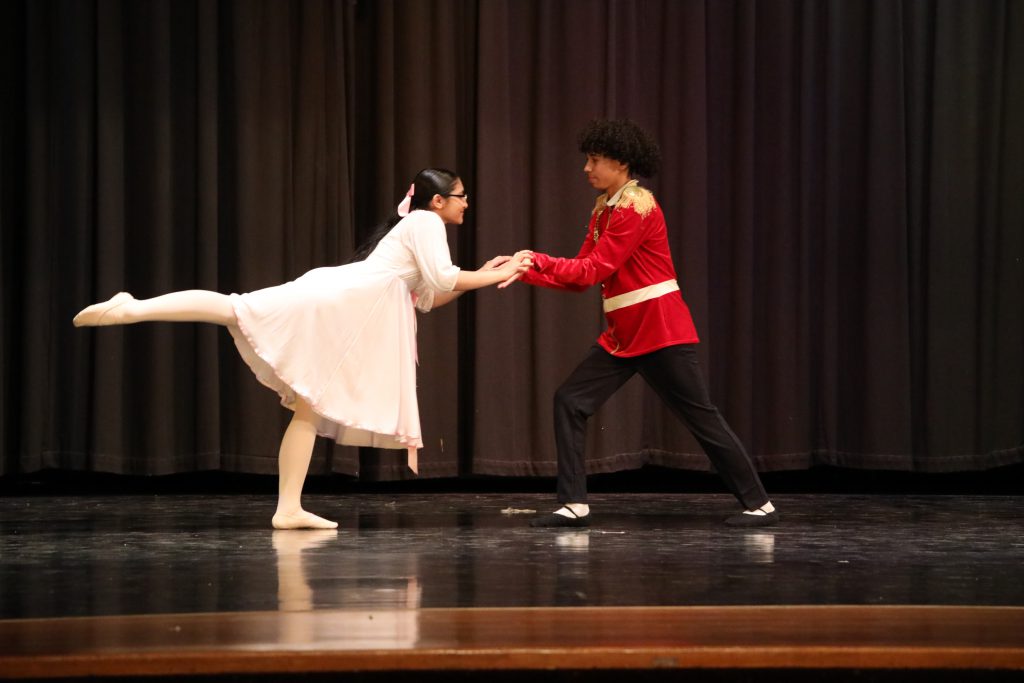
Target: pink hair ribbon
[403,208]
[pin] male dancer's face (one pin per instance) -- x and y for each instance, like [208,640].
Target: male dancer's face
[605,174]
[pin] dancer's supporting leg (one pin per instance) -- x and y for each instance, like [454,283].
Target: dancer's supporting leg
[193,305]
[595,379]
[293,464]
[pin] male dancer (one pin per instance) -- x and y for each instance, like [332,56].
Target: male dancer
[650,330]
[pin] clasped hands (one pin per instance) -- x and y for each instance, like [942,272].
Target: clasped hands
[514,265]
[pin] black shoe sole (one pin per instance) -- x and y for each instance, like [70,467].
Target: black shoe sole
[753,521]
[561,521]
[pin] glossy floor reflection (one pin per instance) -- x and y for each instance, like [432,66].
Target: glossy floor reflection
[123,555]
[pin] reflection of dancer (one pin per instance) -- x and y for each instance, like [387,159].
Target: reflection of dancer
[339,344]
[649,326]
[572,568]
[309,582]
[293,591]
[759,546]
[294,594]
[575,540]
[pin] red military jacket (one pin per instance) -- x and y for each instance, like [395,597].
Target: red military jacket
[626,250]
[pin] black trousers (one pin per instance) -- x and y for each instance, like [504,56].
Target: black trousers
[674,373]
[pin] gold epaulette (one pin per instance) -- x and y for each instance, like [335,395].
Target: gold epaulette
[640,199]
[600,203]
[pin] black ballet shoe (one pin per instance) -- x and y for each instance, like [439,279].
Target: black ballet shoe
[553,520]
[745,520]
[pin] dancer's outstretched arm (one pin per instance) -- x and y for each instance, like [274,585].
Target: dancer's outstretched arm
[498,269]
[475,279]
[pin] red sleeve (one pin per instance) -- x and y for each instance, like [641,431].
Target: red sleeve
[615,246]
[535,277]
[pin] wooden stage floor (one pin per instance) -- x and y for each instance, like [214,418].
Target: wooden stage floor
[873,587]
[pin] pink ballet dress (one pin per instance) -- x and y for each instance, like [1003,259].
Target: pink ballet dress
[344,338]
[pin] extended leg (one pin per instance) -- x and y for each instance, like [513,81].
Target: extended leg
[674,373]
[193,305]
[293,464]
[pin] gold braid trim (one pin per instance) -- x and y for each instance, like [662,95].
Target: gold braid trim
[639,198]
[599,206]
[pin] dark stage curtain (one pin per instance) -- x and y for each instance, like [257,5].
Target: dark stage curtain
[842,181]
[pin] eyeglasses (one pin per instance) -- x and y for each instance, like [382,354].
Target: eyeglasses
[462,195]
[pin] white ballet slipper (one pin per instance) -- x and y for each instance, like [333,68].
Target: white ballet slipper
[99,314]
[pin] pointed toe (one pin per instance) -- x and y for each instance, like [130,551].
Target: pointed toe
[99,314]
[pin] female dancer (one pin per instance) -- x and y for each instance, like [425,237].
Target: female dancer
[339,343]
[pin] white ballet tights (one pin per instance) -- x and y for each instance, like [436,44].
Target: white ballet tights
[293,464]
[191,305]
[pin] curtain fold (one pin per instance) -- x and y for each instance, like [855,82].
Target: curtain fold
[842,184]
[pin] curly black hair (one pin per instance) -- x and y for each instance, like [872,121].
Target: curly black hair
[624,141]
